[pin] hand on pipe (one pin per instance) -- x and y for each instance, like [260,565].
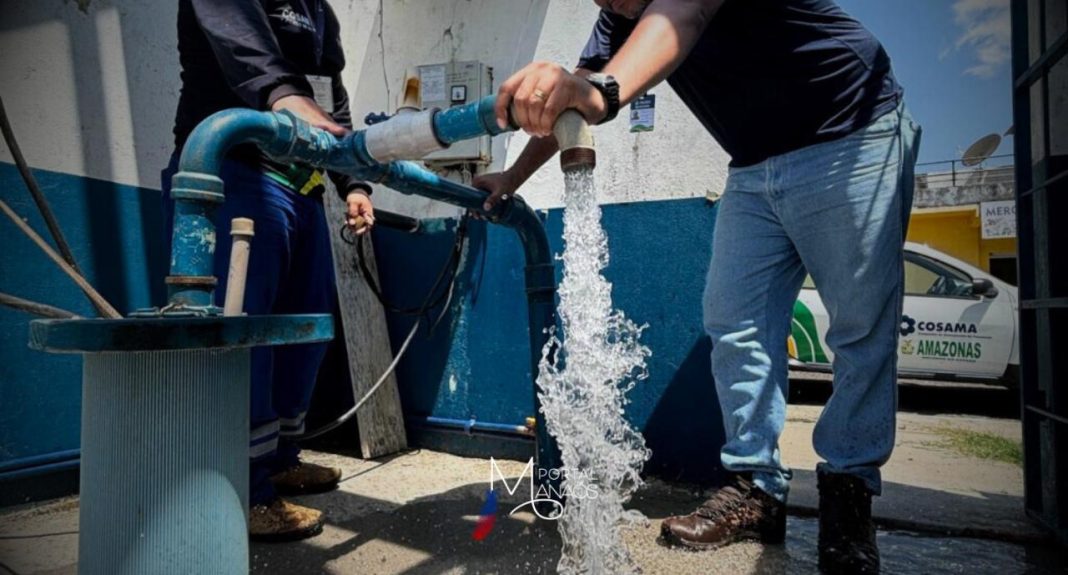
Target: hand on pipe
[306,109]
[500,185]
[540,92]
[360,215]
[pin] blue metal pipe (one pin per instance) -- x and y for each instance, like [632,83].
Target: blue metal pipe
[473,425]
[468,121]
[286,137]
[198,190]
[39,470]
[165,410]
[208,144]
[39,460]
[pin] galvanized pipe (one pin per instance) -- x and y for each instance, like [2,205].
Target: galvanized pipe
[575,140]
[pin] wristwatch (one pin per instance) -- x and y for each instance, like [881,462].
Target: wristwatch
[609,89]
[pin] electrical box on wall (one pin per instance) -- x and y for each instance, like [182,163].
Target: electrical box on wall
[454,84]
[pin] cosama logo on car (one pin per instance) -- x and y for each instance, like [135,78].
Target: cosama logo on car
[909,325]
[947,327]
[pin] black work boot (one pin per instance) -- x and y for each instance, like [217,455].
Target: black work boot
[738,511]
[847,534]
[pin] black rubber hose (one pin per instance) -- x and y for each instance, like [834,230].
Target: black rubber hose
[450,268]
[396,221]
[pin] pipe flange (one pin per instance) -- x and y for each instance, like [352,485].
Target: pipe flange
[197,187]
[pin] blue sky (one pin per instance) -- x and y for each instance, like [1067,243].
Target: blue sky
[952,56]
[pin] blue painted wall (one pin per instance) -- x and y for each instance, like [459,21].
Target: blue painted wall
[473,364]
[112,230]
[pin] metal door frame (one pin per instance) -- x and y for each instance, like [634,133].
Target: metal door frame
[1041,195]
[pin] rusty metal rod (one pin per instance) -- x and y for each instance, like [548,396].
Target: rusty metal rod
[94,296]
[35,192]
[36,308]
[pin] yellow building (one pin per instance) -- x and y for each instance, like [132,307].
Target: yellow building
[946,216]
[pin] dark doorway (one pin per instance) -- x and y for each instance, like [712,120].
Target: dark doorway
[1003,267]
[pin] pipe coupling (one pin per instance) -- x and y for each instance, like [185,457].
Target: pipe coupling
[575,141]
[408,136]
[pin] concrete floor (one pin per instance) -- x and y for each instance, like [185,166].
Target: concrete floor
[414,513]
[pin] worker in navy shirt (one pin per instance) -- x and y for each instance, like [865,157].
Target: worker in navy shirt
[273,55]
[822,150]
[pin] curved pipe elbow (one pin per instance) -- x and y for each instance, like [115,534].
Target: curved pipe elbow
[208,144]
[531,231]
[280,135]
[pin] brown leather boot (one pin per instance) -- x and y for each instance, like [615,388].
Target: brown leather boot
[305,479]
[283,521]
[739,511]
[847,535]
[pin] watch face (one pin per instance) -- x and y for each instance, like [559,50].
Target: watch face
[608,88]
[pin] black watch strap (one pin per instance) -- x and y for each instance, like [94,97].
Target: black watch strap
[609,89]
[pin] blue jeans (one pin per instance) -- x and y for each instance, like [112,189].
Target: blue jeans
[838,210]
[290,271]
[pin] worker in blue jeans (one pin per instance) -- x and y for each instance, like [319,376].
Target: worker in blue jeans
[822,150]
[278,56]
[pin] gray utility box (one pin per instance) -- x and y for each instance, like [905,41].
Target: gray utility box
[454,84]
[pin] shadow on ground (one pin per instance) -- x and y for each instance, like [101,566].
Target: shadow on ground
[432,535]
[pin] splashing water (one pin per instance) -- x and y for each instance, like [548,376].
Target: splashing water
[582,391]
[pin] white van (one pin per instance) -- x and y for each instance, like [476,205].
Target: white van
[958,322]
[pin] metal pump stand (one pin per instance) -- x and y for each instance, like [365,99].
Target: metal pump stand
[165,409]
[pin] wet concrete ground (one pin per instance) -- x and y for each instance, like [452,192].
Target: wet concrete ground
[414,513]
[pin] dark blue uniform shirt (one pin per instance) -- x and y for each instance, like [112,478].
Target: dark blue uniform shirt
[251,53]
[772,76]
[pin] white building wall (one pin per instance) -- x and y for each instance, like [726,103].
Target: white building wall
[408,33]
[92,92]
[91,87]
[679,159]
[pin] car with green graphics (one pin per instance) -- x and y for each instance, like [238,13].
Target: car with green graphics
[958,322]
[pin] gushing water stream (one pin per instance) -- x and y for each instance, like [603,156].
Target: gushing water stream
[583,391]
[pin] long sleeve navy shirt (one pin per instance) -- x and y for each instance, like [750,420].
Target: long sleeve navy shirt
[769,77]
[251,53]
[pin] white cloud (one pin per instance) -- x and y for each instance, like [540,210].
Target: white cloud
[985,29]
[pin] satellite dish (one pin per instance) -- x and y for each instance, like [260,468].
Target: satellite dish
[1010,132]
[982,149]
